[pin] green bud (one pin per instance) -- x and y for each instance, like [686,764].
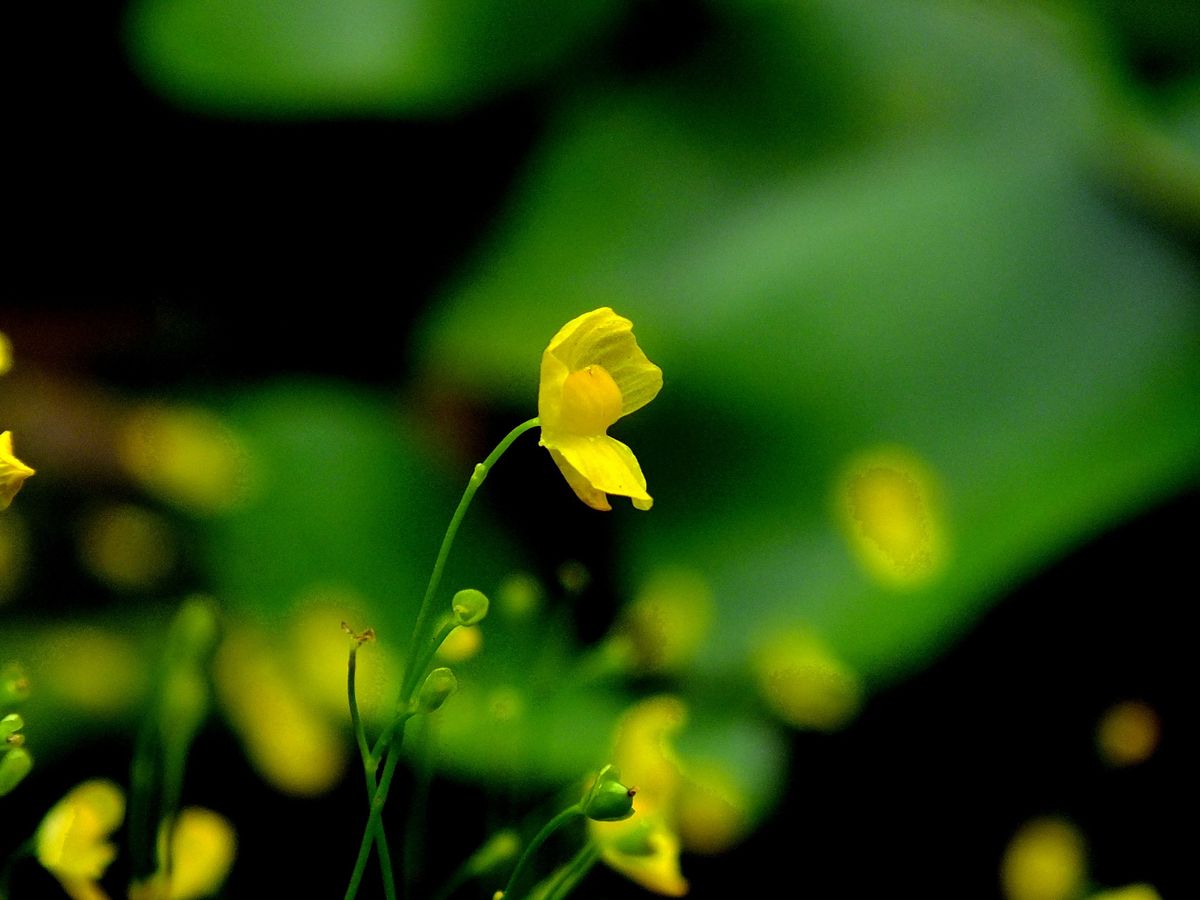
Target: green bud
[608,800]
[469,606]
[439,685]
[14,766]
[14,686]
[194,630]
[9,726]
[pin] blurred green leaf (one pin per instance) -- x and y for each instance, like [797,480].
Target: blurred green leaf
[945,277]
[309,58]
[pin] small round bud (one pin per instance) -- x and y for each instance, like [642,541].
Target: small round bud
[14,686]
[469,606]
[14,766]
[608,800]
[10,725]
[439,685]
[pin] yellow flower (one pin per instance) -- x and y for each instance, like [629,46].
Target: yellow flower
[202,846]
[71,841]
[13,472]
[593,373]
[645,848]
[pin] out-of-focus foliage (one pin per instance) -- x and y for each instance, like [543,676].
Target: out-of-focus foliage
[872,230]
[270,58]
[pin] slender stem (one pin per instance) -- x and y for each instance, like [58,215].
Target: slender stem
[444,627]
[573,872]
[141,786]
[375,819]
[360,736]
[369,766]
[24,850]
[412,669]
[413,674]
[540,838]
[487,857]
[426,739]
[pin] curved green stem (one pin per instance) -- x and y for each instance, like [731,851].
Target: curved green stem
[540,838]
[418,658]
[412,674]
[573,872]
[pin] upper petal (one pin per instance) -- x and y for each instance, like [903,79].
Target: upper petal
[601,337]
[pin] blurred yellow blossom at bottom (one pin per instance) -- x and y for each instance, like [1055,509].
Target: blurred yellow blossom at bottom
[646,852]
[1045,860]
[645,848]
[202,847]
[1131,892]
[72,840]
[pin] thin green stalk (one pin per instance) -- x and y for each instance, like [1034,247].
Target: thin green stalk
[24,850]
[412,675]
[573,872]
[374,830]
[419,802]
[360,735]
[538,839]
[412,670]
[369,767]
[431,648]
[141,787]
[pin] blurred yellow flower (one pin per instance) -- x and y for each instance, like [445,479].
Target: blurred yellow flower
[202,846]
[645,848]
[6,354]
[72,840]
[647,852]
[187,456]
[1132,892]
[891,510]
[1128,733]
[593,373]
[804,682]
[13,472]
[1045,860]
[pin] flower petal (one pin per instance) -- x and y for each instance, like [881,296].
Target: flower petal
[71,840]
[606,464]
[654,864]
[580,485]
[203,845]
[601,337]
[13,472]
